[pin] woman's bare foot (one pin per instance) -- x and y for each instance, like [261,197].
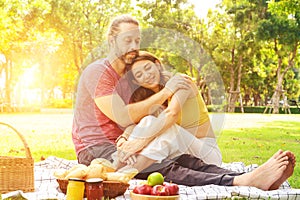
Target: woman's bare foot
[265,175]
[287,172]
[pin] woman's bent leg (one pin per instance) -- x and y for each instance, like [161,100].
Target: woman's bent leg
[209,152]
[204,148]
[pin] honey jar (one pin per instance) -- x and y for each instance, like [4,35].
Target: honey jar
[75,189]
[94,189]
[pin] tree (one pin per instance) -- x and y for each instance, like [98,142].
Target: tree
[178,36]
[169,19]
[281,29]
[19,19]
[82,25]
[233,45]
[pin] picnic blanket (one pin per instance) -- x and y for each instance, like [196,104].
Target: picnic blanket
[46,186]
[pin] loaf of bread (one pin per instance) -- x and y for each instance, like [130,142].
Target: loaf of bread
[108,166]
[96,171]
[77,172]
[99,168]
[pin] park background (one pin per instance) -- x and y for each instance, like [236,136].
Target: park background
[253,45]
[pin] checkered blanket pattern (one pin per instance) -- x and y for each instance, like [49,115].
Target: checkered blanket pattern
[46,186]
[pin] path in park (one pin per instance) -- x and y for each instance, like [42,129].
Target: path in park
[56,121]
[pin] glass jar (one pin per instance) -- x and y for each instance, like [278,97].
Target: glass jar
[94,189]
[75,189]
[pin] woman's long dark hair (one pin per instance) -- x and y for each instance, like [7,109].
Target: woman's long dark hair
[140,93]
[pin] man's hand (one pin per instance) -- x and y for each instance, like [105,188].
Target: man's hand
[179,81]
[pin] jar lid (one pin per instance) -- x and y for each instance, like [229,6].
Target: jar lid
[76,179]
[94,180]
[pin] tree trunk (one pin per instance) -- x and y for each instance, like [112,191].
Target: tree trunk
[232,95]
[238,84]
[278,91]
[280,76]
[75,55]
[276,98]
[7,81]
[7,89]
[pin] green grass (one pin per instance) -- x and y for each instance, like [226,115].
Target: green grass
[52,146]
[256,145]
[50,135]
[42,141]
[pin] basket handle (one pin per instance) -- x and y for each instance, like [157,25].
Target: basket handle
[27,150]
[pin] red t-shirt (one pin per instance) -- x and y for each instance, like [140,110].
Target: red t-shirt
[90,126]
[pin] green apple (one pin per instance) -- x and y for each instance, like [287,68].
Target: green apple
[155,178]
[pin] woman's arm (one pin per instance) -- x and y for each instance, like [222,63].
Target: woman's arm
[170,115]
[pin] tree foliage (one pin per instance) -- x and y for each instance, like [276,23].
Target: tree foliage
[250,47]
[281,28]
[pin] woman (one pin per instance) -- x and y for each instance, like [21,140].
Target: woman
[161,138]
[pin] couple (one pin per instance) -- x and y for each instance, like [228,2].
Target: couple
[104,107]
[161,137]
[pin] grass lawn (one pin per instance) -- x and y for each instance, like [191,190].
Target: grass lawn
[251,139]
[256,145]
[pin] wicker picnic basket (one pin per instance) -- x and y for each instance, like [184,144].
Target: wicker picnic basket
[16,173]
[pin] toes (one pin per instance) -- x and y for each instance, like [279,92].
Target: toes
[283,167]
[284,158]
[278,153]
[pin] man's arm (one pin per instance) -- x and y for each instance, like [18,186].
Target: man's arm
[114,107]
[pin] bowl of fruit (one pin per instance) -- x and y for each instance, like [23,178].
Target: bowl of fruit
[155,188]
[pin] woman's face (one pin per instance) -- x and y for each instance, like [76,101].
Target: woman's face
[146,74]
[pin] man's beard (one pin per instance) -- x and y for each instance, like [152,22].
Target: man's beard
[128,57]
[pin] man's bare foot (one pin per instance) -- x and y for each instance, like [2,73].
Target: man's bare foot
[287,172]
[265,175]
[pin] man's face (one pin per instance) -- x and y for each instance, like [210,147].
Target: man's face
[127,42]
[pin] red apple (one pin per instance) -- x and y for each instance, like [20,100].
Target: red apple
[142,189]
[160,190]
[172,187]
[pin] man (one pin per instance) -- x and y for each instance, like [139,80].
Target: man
[102,108]
[102,111]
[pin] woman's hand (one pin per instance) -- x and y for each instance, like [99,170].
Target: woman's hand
[131,160]
[126,157]
[179,81]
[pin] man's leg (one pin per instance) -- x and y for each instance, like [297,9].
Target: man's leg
[184,172]
[271,174]
[197,164]
[288,171]
[104,150]
[273,171]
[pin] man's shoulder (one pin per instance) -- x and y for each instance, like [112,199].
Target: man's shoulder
[97,64]
[96,67]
